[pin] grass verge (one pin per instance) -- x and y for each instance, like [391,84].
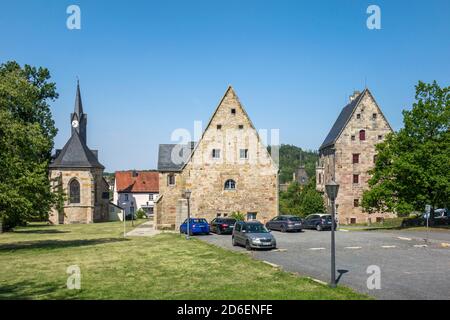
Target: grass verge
[34,261]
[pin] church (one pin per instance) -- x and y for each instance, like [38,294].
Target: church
[76,171]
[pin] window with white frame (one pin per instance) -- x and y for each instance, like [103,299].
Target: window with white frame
[230,184]
[216,153]
[243,153]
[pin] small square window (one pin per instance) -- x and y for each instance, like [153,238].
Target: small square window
[358,116]
[353,138]
[243,153]
[380,137]
[216,153]
[241,127]
[219,126]
[233,111]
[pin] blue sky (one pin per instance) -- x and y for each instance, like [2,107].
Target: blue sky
[149,67]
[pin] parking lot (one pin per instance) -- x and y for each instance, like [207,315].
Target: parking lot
[410,268]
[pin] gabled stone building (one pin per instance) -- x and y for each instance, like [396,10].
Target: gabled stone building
[77,172]
[348,152]
[227,170]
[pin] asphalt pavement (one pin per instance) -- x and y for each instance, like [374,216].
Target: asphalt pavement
[410,268]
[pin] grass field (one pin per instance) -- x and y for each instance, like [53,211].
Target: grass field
[34,260]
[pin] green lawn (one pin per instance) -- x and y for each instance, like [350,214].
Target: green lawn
[33,263]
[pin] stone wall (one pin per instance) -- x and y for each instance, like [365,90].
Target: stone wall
[92,207]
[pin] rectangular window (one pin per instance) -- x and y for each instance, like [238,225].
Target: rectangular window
[150,196]
[171,179]
[126,197]
[374,116]
[362,135]
[380,137]
[241,127]
[216,153]
[352,220]
[243,153]
[356,158]
[353,138]
[356,203]
[358,116]
[356,178]
[233,111]
[251,216]
[219,126]
[320,178]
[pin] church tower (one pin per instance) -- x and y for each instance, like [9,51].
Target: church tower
[76,171]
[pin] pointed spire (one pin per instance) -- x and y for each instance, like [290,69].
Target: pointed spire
[78,103]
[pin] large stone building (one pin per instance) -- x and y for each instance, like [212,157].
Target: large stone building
[229,169]
[76,171]
[348,152]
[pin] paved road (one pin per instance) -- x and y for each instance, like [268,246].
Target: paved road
[409,270]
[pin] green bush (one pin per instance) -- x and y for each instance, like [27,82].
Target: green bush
[140,214]
[239,216]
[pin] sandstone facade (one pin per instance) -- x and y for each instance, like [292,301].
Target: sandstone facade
[229,153]
[348,153]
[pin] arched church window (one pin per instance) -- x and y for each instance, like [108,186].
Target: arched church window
[74,191]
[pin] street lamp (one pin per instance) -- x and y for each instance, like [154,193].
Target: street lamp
[124,218]
[187,195]
[332,189]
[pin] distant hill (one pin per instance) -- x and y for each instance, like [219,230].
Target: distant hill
[291,157]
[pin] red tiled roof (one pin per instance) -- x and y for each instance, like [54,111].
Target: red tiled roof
[145,181]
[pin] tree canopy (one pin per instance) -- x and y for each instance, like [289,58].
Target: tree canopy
[27,131]
[301,200]
[412,168]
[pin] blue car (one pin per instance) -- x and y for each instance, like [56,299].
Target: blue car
[196,226]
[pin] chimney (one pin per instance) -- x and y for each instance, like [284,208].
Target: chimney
[355,94]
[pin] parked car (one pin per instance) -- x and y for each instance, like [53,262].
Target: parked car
[196,226]
[318,221]
[285,223]
[440,217]
[252,235]
[222,225]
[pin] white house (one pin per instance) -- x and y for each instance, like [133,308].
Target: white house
[134,190]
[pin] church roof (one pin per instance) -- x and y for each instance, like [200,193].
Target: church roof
[165,161]
[137,181]
[76,154]
[342,121]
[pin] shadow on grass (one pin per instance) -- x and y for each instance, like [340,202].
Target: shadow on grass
[56,244]
[50,231]
[26,290]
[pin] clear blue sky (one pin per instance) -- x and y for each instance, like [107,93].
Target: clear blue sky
[149,67]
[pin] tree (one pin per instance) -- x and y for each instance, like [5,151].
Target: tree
[301,201]
[412,168]
[291,157]
[26,141]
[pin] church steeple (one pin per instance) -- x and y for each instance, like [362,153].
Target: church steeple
[78,118]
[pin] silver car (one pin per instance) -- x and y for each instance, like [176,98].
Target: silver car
[252,235]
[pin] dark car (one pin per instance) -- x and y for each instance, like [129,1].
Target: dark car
[252,235]
[222,225]
[318,221]
[285,223]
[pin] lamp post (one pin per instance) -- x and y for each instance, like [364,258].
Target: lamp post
[124,216]
[332,189]
[187,195]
